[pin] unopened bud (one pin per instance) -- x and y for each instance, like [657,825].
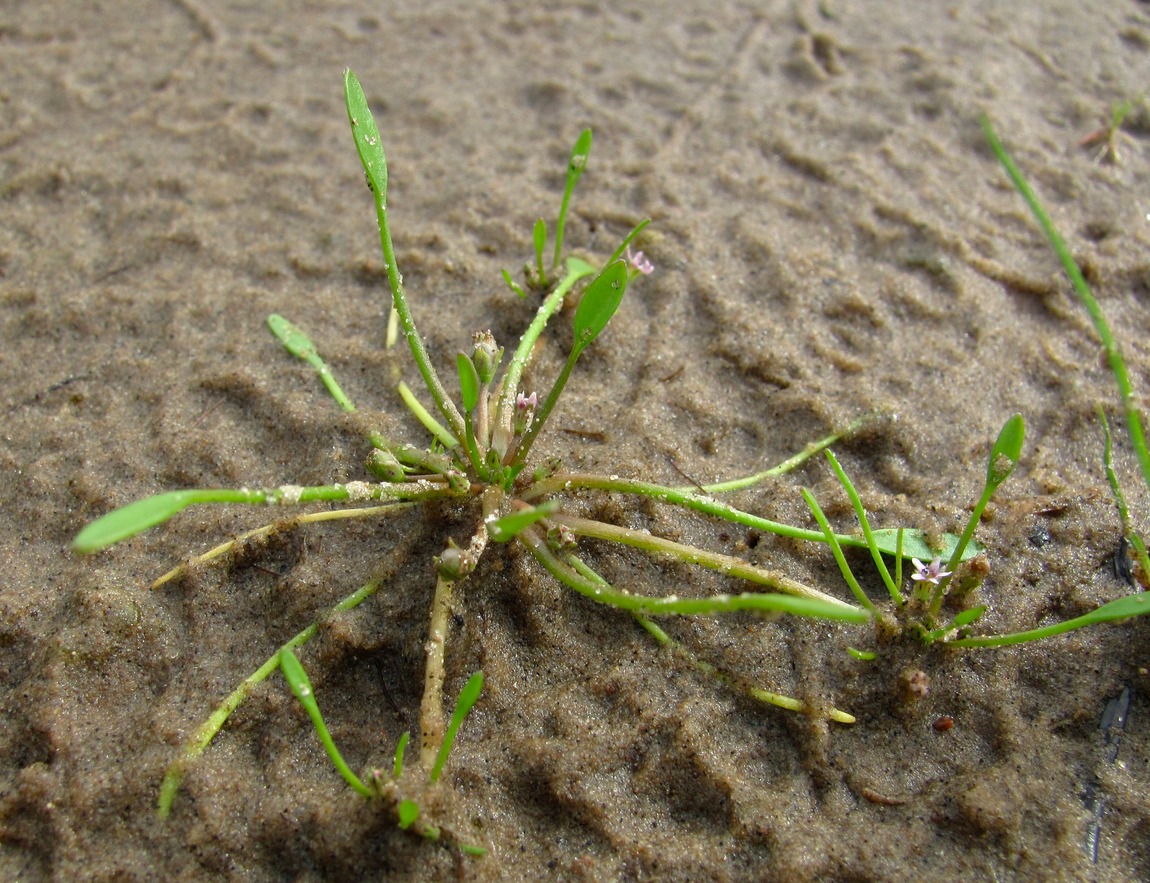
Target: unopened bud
[486,355]
[561,538]
[384,466]
[455,563]
[457,481]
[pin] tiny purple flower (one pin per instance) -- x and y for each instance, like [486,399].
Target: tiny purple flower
[639,261]
[524,411]
[931,573]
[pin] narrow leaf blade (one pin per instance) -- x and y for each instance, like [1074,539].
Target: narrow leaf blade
[368,144]
[468,381]
[505,529]
[127,521]
[468,696]
[298,681]
[578,161]
[539,233]
[1007,451]
[968,617]
[294,340]
[915,545]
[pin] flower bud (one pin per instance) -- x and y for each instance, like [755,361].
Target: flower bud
[455,563]
[486,355]
[384,466]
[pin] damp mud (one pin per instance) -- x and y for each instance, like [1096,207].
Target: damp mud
[832,237]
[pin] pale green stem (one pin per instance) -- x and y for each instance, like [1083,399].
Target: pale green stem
[864,522]
[791,463]
[418,350]
[939,591]
[501,429]
[432,425]
[725,564]
[432,723]
[266,529]
[837,551]
[675,606]
[431,720]
[656,631]
[678,497]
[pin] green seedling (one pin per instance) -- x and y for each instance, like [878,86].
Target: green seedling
[1129,534]
[1127,398]
[406,809]
[1107,137]
[918,615]
[297,679]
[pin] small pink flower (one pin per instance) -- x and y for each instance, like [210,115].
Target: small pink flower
[638,261]
[524,411]
[931,573]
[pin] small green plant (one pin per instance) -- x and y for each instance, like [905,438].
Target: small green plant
[407,811]
[1107,137]
[479,461]
[920,613]
[479,458]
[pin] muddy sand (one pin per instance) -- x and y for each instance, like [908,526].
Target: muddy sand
[831,237]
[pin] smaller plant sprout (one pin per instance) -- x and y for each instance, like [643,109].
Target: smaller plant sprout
[1109,135]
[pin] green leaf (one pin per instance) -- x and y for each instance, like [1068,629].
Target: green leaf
[635,231]
[132,519]
[539,233]
[578,267]
[599,303]
[578,160]
[294,340]
[299,345]
[468,696]
[468,382]
[968,617]
[575,165]
[507,528]
[1122,608]
[400,750]
[915,545]
[298,680]
[513,285]
[1007,450]
[408,813]
[368,143]
[294,674]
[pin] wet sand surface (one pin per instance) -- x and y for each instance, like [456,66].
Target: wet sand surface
[831,236]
